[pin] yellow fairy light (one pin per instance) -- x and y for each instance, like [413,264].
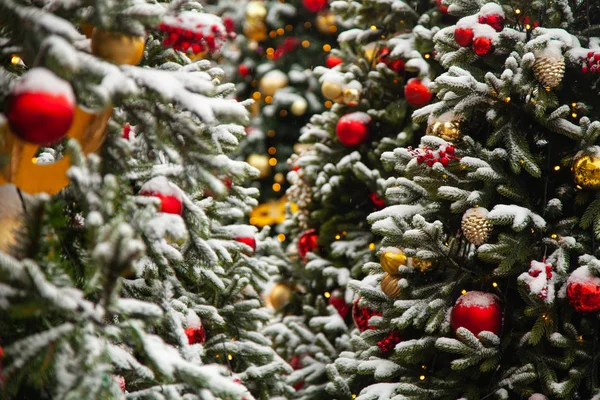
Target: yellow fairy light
[495,284]
[507,99]
[557,167]
[272,150]
[256,95]
[15,60]
[280,31]
[427,56]
[528,27]
[574,115]
[305,43]
[578,187]
[327,295]
[554,236]
[233,339]
[307,24]
[353,396]
[272,34]
[270,133]
[463,291]
[332,28]
[268,99]
[573,105]
[272,161]
[337,237]
[371,246]
[270,50]
[229,357]
[326,47]
[281,237]
[373,28]
[254,83]
[581,338]
[424,366]
[283,113]
[422,377]
[276,187]
[289,27]
[517,11]
[328,104]
[217,356]
[33,160]
[279,177]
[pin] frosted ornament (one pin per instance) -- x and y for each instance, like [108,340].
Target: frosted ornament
[549,66]
[168,193]
[416,93]
[195,330]
[583,291]
[477,312]
[245,234]
[255,28]
[331,90]
[333,61]
[194,33]
[492,14]
[314,5]
[475,225]
[117,47]
[308,242]
[261,163]
[428,156]
[389,285]
[298,107]
[271,82]
[396,65]
[482,46]
[586,168]
[353,129]
[390,341]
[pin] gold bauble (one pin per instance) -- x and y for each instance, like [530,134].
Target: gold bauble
[325,22]
[332,90]
[475,225]
[586,169]
[389,285]
[279,296]
[255,32]
[261,163]
[116,47]
[271,82]
[391,259]
[447,130]
[256,11]
[87,30]
[351,97]
[420,264]
[298,107]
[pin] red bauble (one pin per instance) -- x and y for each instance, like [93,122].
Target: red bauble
[332,61]
[126,131]
[353,129]
[583,291]
[296,362]
[362,315]
[307,243]
[442,7]
[337,300]
[495,21]
[416,94]
[195,335]
[482,46]
[40,107]
[243,70]
[395,65]
[168,193]
[463,36]
[314,5]
[377,201]
[477,312]
[389,341]
[250,241]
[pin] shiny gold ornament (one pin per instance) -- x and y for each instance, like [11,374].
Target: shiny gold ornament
[391,259]
[351,97]
[475,225]
[420,264]
[325,22]
[116,47]
[447,130]
[389,285]
[299,107]
[271,82]
[279,296]
[261,163]
[549,71]
[256,32]
[256,11]
[332,90]
[586,168]
[255,28]
[87,30]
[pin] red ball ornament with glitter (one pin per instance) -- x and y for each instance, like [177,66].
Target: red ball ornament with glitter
[353,129]
[494,20]
[337,300]
[583,291]
[332,61]
[477,312]
[377,201]
[443,8]
[362,315]
[314,5]
[389,341]
[169,194]
[195,335]
[308,243]
[416,94]
[482,46]
[463,36]
[40,107]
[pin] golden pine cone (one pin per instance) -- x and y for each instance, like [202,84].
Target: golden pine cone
[389,285]
[475,225]
[549,71]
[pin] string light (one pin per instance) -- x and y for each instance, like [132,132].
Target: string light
[574,115]
[422,377]
[371,246]
[337,237]
[554,236]
[307,24]
[276,187]
[305,43]
[463,291]
[427,56]
[326,48]
[327,295]
[581,338]
[15,60]
[289,27]
[495,284]
[271,133]
[280,31]
[229,357]
[256,95]
[578,187]
[528,27]
[373,28]
[283,113]
[34,160]
[233,339]
[328,104]
[272,34]
[268,99]
[332,28]
[573,105]
[217,356]
[557,167]
[424,366]
[507,99]
[272,161]
[281,237]
[353,396]
[279,177]
[517,11]
[270,50]
[254,83]
[272,150]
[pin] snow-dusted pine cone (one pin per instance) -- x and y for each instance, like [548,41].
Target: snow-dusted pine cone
[299,193]
[549,71]
[475,225]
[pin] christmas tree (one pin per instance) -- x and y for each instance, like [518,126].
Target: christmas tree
[278,45]
[339,180]
[124,267]
[490,235]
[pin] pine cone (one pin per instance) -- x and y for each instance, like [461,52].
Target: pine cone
[475,225]
[549,71]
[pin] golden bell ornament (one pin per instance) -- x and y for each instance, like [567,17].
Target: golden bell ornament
[271,82]
[389,285]
[261,163]
[117,48]
[447,130]
[586,169]
[332,90]
[391,259]
[325,22]
[279,296]
[298,107]
[351,97]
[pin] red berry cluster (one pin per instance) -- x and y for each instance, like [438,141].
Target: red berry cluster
[288,45]
[591,63]
[389,342]
[395,65]
[362,315]
[195,335]
[444,154]
[495,21]
[193,40]
[535,272]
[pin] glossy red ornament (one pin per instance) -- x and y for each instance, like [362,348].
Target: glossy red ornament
[482,46]
[389,341]
[362,315]
[40,107]
[477,312]
[168,204]
[250,241]
[495,21]
[337,300]
[416,94]
[377,201]
[243,70]
[195,335]
[441,7]
[314,5]
[332,61]
[126,131]
[463,36]
[583,291]
[395,65]
[353,129]
[308,243]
